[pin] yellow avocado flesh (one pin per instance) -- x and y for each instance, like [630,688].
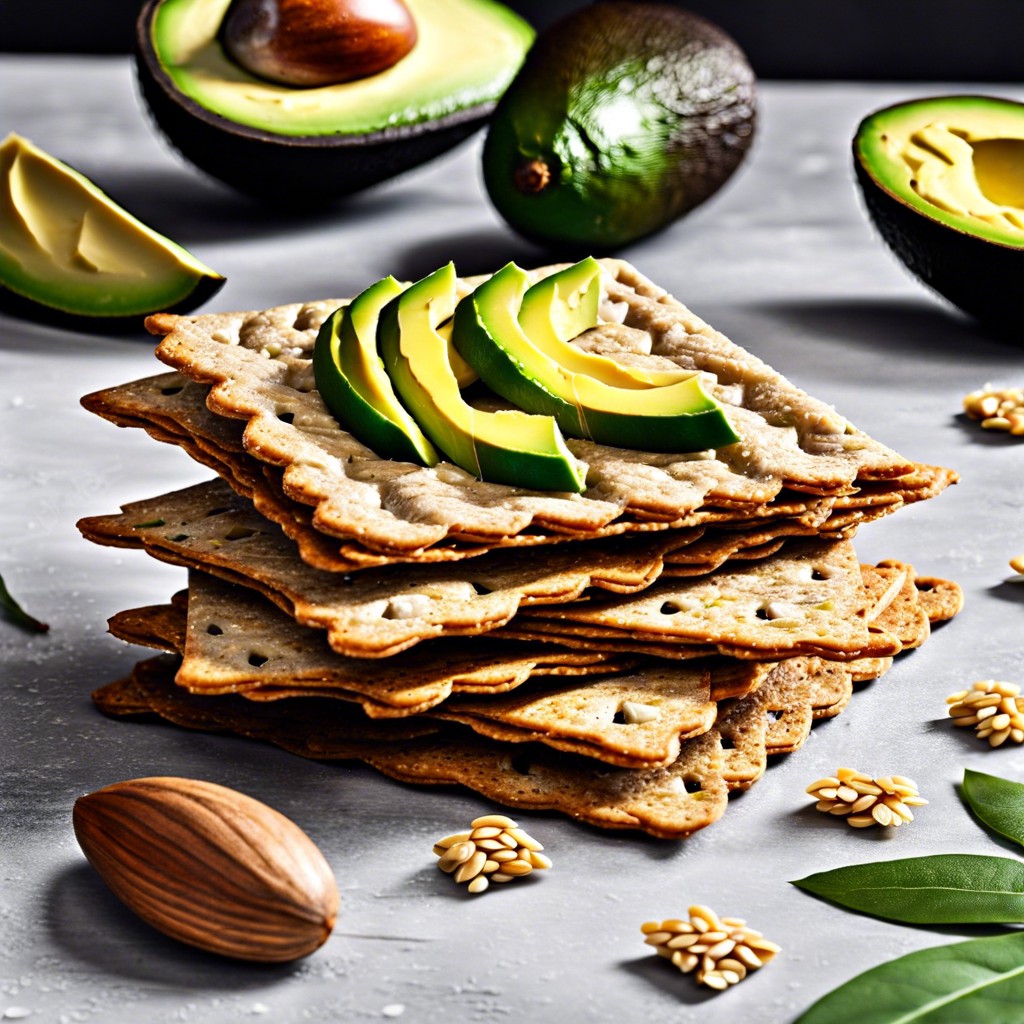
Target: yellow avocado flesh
[509,446]
[65,244]
[466,53]
[354,385]
[676,417]
[561,307]
[958,160]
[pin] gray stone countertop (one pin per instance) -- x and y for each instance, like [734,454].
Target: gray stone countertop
[784,262]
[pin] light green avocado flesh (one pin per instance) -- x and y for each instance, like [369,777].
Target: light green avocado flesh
[466,54]
[66,245]
[957,159]
[354,385]
[676,417]
[510,446]
[561,307]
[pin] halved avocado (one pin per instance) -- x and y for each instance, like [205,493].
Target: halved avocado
[509,446]
[678,417]
[300,146]
[943,181]
[354,385]
[561,307]
[70,253]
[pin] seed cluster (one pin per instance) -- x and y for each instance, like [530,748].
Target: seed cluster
[865,801]
[495,849]
[722,949]
[995,710]
[997,408]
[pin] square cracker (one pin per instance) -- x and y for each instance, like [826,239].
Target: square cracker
[670,802]
[260,370]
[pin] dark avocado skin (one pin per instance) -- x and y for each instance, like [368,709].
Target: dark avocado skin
[292,171]
[980,277]
[640,112]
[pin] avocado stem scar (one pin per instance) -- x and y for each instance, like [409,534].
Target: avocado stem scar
[532,176]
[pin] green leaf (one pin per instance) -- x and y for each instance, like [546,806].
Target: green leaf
[998,803]
[976,982]
[949,888]
[13,611]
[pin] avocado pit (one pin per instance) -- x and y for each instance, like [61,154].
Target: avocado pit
[299,145]
[309,43]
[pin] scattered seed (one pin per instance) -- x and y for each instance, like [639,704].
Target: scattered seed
[864,801]
[733,951]
[471,868]
[498,821]
[994,708]
[494,850]
[997,408]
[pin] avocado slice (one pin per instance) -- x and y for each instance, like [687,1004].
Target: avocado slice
[941,178]
[561,307]
[70,253]
[509,446]
[300,146]
[624,117]
[354,385]
[678,417]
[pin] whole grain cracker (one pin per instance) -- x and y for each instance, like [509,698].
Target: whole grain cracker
[807,599]
[789,439]
[378,612]
[668,802]
[232,641]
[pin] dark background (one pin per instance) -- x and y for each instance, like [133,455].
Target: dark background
[893,40]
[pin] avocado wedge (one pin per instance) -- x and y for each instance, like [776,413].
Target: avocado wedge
[292,146]
[354,386]
[69,253]
[679,416]
[942,181]
[561,307]
[509,446]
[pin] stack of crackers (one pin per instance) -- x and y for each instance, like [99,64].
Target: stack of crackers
[628,656]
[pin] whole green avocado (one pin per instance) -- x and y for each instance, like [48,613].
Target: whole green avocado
[624,117]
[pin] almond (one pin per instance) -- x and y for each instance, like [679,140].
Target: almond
[210,866]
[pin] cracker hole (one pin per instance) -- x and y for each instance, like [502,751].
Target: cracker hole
[818,575]
[219,511]
[775,714]
[762,613]
[668,608]
[520,764]
[727,743]
[257,660]
[479,588]
[692,785]
[174,390]
[214,630]
[179,536]
[240,533]
[924,585]
[619,718]
[286,417]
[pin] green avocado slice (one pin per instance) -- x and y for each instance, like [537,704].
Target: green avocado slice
[354,385]
[509,446]
[67,247]
[675,417]
[561,307]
